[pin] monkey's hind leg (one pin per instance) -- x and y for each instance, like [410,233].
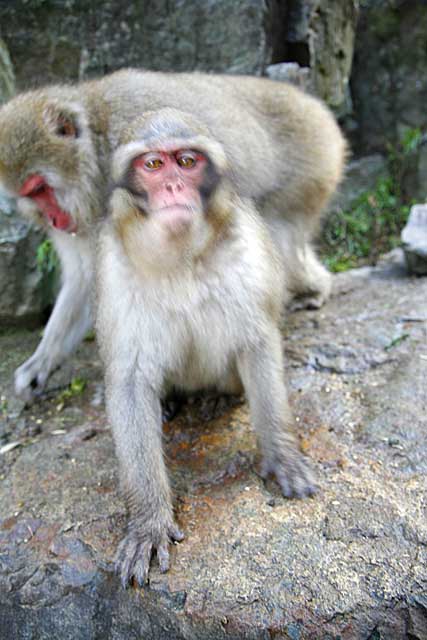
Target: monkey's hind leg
[307,281]
[312,282]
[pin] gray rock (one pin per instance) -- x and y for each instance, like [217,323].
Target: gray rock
[25,292]
[53,42]
[319,35]
[414,239]
[57,41]
[361,175]
[7,77]
[389,70]
[291,72]
[349,563]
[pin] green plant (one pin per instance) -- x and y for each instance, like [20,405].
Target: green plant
[47,259]
[375,219]
[75,388]
[371,227]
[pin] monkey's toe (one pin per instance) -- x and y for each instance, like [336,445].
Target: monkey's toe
[133,560]
[297,483]
[134,554]
[293,474]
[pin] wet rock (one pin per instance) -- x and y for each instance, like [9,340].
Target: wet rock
[349,562]
[414,239]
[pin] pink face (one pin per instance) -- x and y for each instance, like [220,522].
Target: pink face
[171,180]
[37,189]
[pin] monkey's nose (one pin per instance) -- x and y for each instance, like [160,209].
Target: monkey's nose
[174,186]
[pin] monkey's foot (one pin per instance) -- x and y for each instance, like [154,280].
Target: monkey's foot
[309,302]
[292,472]
[313,290]
[134,554]
[31,377]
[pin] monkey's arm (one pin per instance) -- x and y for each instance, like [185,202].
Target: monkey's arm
[262,373]
[71,317]
[135,414]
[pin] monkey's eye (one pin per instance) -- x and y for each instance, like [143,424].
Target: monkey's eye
[66,129]
[186,159]
[153,163]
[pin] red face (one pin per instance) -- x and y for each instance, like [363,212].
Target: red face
[171,180]
[37,189]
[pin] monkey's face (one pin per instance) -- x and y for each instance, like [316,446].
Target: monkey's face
[163,218]
[169,173]
[47,159]
[170,187]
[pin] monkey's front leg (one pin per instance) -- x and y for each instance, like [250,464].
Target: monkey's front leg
[262,374]
[135,414]
[70,320]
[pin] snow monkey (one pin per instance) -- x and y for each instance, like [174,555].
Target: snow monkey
[285,151]
[190,289]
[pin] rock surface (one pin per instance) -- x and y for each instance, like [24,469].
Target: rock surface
[7,77]
[57,41]
[361,175]
[414,239]
[25,292]
[389,70]
[349,563]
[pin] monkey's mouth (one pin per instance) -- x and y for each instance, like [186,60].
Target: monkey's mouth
[37,189]
[176,218]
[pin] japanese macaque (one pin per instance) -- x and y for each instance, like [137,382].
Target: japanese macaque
[285,151]
[190,289]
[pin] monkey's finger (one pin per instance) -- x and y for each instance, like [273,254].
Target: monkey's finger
[142,563]
[285,485]
[175,533]
[266,469]
[125,559]
[163,556]
[299,483]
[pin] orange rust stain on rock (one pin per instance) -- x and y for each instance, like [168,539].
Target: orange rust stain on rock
[321,445]
[9,523]
[204,513]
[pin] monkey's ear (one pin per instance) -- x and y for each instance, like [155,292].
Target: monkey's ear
[62,121]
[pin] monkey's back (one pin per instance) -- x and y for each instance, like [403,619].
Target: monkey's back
[291,140]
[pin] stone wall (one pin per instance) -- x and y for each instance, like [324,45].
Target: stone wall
[56,41]
[7,76]
[389,78]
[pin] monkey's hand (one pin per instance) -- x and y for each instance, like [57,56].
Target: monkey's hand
[30,377]
[292,472]
[136,549]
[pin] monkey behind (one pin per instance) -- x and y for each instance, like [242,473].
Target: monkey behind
[190,289]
